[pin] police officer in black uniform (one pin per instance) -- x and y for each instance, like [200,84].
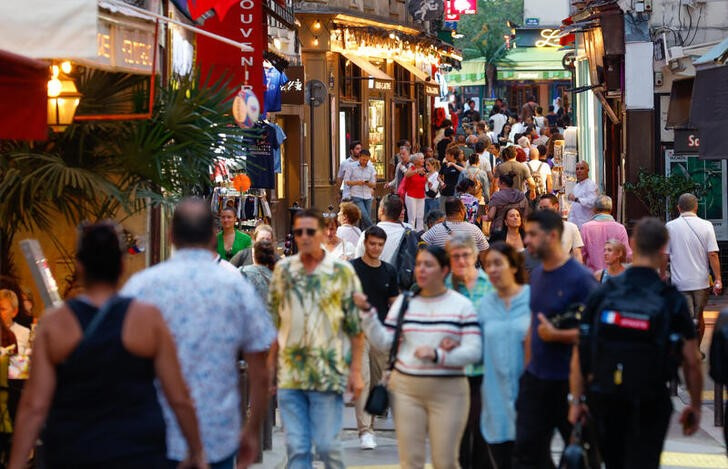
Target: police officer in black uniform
[635,331]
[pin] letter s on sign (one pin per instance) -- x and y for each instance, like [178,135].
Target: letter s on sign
[693,141]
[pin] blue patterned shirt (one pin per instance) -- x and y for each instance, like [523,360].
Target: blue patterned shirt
[481,288]
[212,313]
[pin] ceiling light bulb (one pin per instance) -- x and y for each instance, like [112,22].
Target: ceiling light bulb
[66,66]
[317,25]
[315,41]
[55,71]
[54,87]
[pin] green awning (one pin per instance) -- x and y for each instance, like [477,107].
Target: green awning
[523,63]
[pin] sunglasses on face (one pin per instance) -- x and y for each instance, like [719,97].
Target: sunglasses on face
[298,232]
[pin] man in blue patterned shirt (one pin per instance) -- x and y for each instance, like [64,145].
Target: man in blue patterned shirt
[213,314]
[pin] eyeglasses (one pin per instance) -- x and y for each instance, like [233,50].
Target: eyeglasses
[298,232]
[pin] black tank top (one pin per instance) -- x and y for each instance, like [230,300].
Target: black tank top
[105,405]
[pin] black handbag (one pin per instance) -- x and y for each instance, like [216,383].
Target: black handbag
[378,400]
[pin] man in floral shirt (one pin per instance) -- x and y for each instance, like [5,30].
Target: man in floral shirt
[319,346]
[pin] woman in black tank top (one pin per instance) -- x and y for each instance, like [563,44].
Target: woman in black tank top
[95,361]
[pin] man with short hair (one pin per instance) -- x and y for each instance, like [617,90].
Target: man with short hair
[520,172]
[361,179]
[583,196]
[210,330]
[598,231]
[693,252]
[455,222]
[434,217]
[540,170]
[571,241]
[528,110]
[557,284]
[379,282]
[401,168]
[631,403]
[353,159]
[391,209]
[443,144]
[468,116]
[314,304]
[486,160]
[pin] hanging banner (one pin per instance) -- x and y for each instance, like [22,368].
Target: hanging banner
[425,10]
[463,7]
[245,23]
[450,14]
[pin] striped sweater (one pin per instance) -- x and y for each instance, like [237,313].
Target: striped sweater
[427,322]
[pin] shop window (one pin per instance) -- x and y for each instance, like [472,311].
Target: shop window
[403,82]
[349,80]
[349,128]
[377,136]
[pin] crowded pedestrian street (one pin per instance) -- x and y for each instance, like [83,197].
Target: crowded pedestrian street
[297,234]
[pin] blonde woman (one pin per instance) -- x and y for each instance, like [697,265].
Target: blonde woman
[432,188]
[615,255]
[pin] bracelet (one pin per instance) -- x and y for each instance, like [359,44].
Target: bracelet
[575,400]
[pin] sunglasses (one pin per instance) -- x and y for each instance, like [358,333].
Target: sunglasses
[298,232]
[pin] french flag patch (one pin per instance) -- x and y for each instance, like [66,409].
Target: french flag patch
[628,321]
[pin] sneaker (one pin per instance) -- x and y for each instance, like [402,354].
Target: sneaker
[368,441]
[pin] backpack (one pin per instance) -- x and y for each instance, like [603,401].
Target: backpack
[626,346]
[718,369]
[538,179]
[404,259]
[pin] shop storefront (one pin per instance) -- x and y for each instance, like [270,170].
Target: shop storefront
[381,89]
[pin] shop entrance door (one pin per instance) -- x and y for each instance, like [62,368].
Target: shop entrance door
[402,125]
[349,128]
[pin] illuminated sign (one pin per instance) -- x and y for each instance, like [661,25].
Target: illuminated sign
[122,48]
[549,38]
[463,7]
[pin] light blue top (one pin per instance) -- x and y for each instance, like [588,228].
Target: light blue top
[213,314]
[504,332]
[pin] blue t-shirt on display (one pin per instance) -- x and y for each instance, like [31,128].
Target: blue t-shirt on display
[552,293]
[273,80]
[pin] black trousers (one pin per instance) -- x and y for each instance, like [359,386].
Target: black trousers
[631,433]
[501,455]
[473,449]
[541,407]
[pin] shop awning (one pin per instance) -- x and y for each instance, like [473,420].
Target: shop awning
[709,111]
[535,58]
[368,68]
[471,73]
[419,74]
[522,63]
[24,107]
[717,54]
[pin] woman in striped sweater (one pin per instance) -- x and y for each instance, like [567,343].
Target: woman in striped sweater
[428,387]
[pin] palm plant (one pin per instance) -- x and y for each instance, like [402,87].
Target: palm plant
[110,169]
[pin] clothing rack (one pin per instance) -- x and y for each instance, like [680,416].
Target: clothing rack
[251,207]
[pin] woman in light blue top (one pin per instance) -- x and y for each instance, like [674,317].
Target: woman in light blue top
[504,317]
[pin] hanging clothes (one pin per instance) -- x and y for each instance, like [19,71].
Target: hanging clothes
[279,139]
[273,81]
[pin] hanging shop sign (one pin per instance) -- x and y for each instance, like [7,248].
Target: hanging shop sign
[124,49]
[687,141]
[425,10]
[463,7]
[244,22]
[432,89]
[292,92]
[450,14]
[526,37]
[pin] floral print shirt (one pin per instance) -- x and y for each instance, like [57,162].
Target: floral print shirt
[213,313]
[315,316]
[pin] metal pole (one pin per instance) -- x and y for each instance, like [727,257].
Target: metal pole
[312,173]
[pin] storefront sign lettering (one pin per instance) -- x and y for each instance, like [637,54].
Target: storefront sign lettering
[687,141]
[432,89]
[123,48]
[293,91]
[382,85]
[549,38]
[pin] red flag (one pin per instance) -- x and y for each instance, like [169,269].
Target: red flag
[200,7]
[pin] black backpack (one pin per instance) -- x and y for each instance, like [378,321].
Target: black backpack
[404,259]
[626,346]
[718,369]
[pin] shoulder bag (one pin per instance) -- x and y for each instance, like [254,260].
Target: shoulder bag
[378,399]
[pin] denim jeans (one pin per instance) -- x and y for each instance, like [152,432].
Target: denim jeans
[365,206]
[312,418]
[430,205]
[227,463]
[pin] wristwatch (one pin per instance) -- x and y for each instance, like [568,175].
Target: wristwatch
[575,400]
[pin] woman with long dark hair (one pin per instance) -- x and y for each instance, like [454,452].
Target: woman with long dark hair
[95,361]
[229,240]
[429,391]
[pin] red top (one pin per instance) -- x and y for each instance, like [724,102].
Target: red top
[414,186]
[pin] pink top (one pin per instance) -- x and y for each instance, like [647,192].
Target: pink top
[595,234]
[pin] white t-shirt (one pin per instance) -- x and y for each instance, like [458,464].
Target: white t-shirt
[394,236]
[542,168]
[343,251]
[433,183]
[499,120]
[349,233]
[688,250]
[571,239]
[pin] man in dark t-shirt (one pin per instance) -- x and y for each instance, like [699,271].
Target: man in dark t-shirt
[450,172]
[520,171]
[632,430]
[379,282]
[556,285]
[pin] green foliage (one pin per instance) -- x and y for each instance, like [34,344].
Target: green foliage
[103,169]
[484,31]
[657,191]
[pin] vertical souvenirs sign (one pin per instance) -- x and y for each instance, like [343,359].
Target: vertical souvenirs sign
[243,22]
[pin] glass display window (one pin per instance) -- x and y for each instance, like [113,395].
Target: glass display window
[377,139]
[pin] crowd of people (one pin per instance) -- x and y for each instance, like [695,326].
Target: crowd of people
[491,321]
